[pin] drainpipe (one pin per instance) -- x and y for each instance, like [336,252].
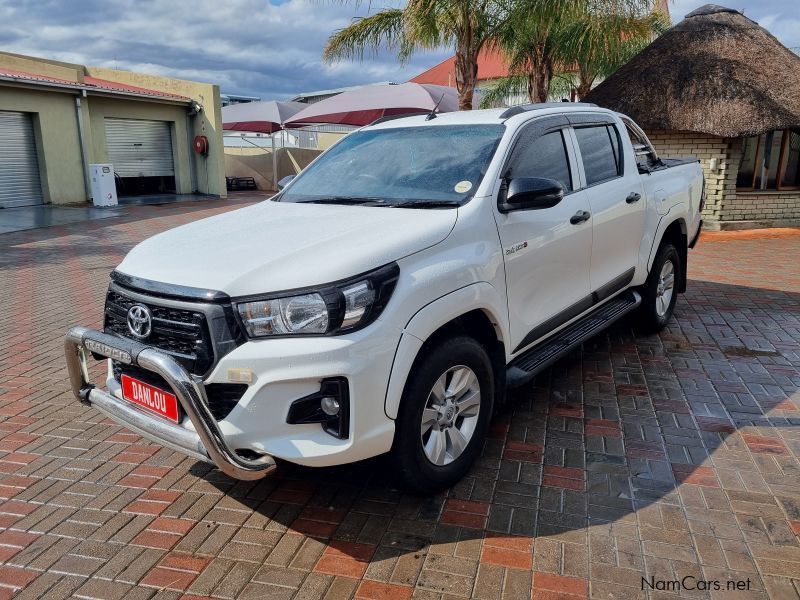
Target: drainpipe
[192,154]
[82,138]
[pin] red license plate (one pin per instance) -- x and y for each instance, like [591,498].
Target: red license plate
[150,397]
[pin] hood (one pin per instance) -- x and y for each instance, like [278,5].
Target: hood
[275,246]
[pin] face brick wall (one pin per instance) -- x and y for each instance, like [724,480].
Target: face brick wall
[723,203]
[720,183]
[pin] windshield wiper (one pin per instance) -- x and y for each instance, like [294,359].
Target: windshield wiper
[426,204]
[344,200]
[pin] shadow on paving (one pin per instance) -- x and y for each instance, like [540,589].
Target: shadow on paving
[600,436]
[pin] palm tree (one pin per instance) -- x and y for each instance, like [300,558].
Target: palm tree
[598,43]
[527,39]
[425,24]
[557,46]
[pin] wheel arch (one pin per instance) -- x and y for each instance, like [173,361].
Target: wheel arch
[676,233]
[471,311]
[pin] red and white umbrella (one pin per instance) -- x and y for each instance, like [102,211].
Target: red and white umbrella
[364,105]
[259,117]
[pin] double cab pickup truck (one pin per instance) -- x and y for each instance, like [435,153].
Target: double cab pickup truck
[388,296]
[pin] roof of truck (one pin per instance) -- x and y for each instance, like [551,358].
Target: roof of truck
[489,116]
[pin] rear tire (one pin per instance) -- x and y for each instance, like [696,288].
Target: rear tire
[660,291]
[444,414]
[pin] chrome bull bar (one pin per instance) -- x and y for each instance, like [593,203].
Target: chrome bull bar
[205,443]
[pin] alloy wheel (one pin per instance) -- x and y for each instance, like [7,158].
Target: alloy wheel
[665,288]
[450,415]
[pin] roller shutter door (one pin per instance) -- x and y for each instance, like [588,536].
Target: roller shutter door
[139,148]
[20,184]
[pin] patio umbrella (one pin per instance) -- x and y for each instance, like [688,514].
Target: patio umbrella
[258,117]
[364,105]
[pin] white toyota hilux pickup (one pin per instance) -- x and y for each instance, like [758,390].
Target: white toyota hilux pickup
[385,299]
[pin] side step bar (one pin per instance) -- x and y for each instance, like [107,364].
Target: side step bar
[527,365]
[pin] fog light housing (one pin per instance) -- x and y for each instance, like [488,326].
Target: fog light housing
[330,407]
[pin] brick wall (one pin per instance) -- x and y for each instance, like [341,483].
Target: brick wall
[763,206]
[720,183]
[723,203]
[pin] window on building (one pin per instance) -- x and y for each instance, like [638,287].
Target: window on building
[770,161]
[543,156]
[600,157]
[790,177]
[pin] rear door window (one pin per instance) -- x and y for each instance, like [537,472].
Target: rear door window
[541,156]
[600,153]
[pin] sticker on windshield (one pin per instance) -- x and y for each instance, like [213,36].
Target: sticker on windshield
[463,186]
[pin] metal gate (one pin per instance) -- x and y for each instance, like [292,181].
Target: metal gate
[20,183]
[139,148]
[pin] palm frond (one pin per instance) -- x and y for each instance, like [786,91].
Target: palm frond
[599,43]
[562,84]
[504,88]
[385,29]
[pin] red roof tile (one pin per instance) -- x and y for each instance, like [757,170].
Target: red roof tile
[491,65]
[4,72]
[89,84]
[105,84]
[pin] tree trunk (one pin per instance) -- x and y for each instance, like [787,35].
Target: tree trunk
[584,87]
[546,78]
[540,74]
[466,74]
[585,81]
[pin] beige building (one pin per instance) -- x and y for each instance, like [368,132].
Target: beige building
[719,87]
[56,119]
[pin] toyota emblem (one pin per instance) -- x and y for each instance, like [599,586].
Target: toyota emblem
[140,321]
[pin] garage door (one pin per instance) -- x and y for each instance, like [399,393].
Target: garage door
[20,184]
[139,148]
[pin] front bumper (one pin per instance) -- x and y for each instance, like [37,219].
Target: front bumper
[205,443]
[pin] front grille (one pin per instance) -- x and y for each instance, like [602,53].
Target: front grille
[181,333]
[222,397]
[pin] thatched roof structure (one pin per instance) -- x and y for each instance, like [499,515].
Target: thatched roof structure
[715,72]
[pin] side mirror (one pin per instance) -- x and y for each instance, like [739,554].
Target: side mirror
[284,181]
[531,193]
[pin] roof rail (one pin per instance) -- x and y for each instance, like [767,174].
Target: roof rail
[400,116]
[515,110]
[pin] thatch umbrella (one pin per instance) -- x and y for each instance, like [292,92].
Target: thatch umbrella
[715,72]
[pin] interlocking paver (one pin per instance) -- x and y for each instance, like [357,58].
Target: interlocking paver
[661,456]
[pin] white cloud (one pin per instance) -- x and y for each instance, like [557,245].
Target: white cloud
[246,46]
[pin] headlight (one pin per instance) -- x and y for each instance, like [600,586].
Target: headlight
[326,310]
[294,314]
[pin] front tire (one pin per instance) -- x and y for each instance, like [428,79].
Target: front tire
[660,292]
[444,414]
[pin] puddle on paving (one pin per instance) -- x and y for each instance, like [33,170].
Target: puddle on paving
[743,351]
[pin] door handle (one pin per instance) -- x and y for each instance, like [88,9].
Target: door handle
[579,217]
[633,197]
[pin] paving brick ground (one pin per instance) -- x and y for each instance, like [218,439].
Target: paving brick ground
[658,457]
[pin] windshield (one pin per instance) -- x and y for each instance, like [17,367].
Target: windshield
[437,165]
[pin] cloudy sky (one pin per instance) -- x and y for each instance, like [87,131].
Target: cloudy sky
[255,47]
